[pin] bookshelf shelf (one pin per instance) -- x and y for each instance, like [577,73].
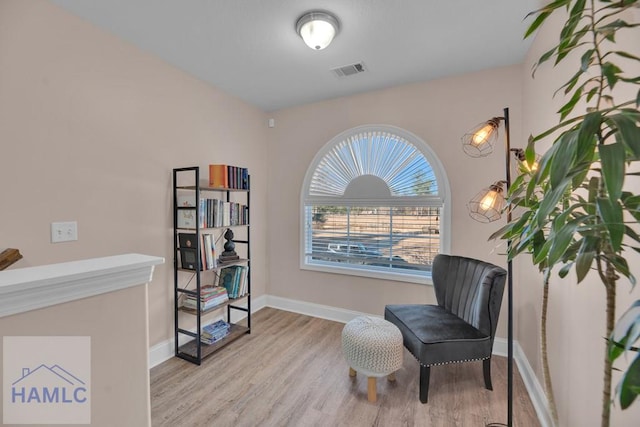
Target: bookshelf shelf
[231,301]
[207,188]
[189,350]
[220,265]
[196,267]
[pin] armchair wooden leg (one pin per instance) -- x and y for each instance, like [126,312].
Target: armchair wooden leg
[424,383]
[486,368]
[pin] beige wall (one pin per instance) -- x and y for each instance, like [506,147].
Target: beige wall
[119,394]
[576,316]
[439,112]
[90,128]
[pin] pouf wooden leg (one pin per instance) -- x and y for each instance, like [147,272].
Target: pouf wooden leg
[352,372]
[391,376]
[371,389]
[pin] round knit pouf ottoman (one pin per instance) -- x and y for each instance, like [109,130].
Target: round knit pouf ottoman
[373,347]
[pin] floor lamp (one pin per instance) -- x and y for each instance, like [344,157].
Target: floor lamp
[487,206]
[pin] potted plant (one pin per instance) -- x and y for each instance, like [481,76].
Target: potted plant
[574,211]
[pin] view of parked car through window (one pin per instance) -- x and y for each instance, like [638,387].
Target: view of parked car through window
[384,237]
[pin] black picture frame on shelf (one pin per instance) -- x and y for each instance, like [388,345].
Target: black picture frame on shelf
[188,251]
[188,258]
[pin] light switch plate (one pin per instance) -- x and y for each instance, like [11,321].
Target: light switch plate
[64,231]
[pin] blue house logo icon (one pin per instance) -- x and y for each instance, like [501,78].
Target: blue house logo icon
[48,384]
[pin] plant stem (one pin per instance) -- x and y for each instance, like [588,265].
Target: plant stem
[546,372]
[610,287]
[596,47]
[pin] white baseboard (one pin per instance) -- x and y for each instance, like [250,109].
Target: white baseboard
[165,350]
[535,389]
[315,310]
[533,386]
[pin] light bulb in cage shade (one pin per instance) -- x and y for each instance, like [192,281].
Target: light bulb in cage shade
[525,166]
[478,142]
[488,204]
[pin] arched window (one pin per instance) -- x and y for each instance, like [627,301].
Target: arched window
[375,203]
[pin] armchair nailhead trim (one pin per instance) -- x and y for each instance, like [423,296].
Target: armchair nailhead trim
[448,363]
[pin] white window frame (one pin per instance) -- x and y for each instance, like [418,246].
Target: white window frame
[443,196]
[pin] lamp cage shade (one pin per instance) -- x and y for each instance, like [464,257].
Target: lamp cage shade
[478,142]
[488,204]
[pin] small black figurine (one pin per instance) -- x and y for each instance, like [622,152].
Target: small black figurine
[229,253]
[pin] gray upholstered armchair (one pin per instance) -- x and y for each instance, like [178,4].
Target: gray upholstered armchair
[461,327]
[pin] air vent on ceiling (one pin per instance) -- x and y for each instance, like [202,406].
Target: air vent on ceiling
[349,70]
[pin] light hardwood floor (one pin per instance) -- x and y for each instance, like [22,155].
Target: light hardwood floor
[290,372]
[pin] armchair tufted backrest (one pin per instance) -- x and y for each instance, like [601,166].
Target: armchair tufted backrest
[469,288]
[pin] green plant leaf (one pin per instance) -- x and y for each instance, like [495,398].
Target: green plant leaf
[631,233]
[578,178]
[568,36]
[561,241]
[542,252]
[611,213]
[594,184]
[543,58]
[627,328]
[611,72]
[587,132]
[586,60]
[564,271]
[558,126]
[536,23]
[630,384]
[612,157]
[625,334]
[621,267]
[627,133]
[631,203]
[563,157]
[578,8]
[566,109]
[585,257]
[549,203]
[625,55]
[530,151]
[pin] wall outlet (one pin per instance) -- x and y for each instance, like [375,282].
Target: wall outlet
[64,231]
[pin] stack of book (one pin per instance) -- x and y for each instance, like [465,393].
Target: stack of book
[234,279]
[212,213]
[210,296]
[189,253]
[226,176]
[214,332]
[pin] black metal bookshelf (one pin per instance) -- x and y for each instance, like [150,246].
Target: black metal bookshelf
[188,339]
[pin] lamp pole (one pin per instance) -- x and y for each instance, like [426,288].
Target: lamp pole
[487,206]
[509,280]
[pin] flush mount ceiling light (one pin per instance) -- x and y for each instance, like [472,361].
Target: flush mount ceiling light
[317,29]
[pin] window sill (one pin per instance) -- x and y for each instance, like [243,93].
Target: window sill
[354,271]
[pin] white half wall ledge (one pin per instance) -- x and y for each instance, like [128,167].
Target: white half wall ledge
[37,287]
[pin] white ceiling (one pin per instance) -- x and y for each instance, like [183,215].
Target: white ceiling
[249,48]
